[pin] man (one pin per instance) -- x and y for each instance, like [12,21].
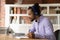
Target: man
[42,27]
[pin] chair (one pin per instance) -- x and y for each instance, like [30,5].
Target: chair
[57,34]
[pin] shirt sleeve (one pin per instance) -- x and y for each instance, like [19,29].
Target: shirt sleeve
[32,29]
[48,29]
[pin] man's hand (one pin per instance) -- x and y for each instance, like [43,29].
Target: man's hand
[31,35]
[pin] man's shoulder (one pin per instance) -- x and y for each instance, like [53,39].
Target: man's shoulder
[45,19]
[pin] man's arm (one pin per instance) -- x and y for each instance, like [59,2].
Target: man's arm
[31,31]
[48,29]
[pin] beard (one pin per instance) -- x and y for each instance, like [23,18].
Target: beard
[32,19]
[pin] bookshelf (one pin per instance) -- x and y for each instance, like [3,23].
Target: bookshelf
[19,13]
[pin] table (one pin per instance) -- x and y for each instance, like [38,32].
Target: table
[5,37]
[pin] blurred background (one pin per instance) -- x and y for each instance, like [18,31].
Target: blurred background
[14,16]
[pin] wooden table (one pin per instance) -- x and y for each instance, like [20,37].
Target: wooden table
[33,39]
[5,37]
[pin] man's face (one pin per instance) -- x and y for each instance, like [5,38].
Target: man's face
[30,13]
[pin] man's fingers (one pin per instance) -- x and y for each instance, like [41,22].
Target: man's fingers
[29,35]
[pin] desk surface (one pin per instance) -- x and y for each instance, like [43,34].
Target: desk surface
[5,37]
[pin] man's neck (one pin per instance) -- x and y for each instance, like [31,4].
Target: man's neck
[37,18]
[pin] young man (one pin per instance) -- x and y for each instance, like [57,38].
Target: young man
[42,27]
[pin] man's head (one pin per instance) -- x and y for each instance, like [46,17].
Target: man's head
[30,13]
[34,11]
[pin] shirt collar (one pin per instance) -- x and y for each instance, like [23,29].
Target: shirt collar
[40,19]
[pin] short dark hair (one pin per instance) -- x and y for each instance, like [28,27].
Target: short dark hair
[30,8]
